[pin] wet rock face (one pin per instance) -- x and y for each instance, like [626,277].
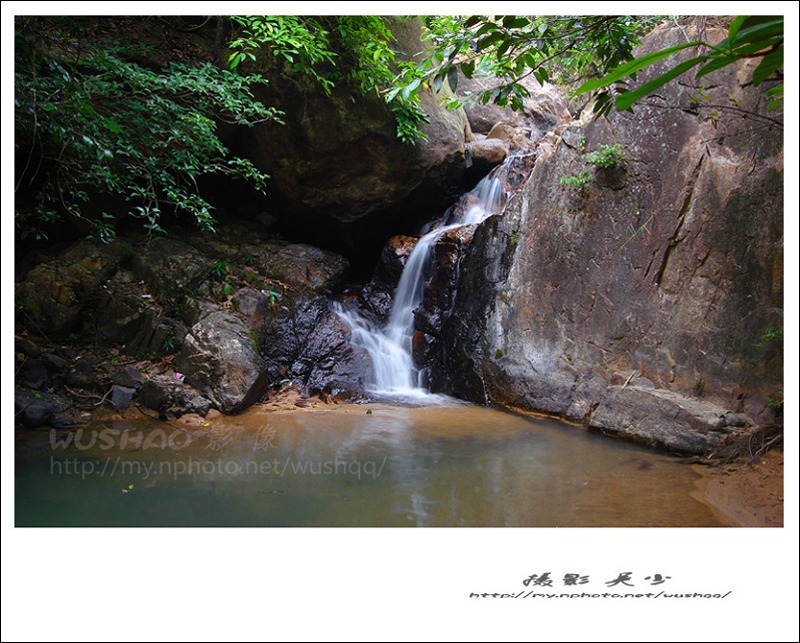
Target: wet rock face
[329,364]
[393,259]
[638,304]
[240,309]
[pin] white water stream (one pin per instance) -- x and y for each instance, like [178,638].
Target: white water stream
[394,374]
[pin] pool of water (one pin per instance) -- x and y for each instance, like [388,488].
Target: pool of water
[370,465]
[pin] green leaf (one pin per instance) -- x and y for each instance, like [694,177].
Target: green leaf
[774,104]
[627,99]
[468,68]
[515,22]
[758,28]
[717,62]
[485,28]
[489,40]
[632,67]
[771,63]
[502,49]
[452,78]
[411,87]
[438,80]
[736,24]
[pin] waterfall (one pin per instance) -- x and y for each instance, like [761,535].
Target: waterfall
[394,374]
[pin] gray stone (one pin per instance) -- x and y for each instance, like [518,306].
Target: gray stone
[54,293]
[34,373]
[306,267]
[544,110]
[485,154]
[220,358]
[121,396]
[82,375]
[671,272]
[34,409]
[170,266]
[171,397]
[129,377]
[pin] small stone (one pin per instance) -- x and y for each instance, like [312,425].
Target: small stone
[121,396]
[54,363]
[36,414]
[129,377]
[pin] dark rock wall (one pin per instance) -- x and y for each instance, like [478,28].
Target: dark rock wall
[340,177]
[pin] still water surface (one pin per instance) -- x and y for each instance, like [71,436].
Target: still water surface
[343,466]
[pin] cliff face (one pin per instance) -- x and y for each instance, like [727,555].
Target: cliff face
[646,301]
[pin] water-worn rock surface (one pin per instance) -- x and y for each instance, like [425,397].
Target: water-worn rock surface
[648,301]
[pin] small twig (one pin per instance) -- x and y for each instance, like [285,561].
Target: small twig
[24,359]
[22,410]
[766,445]
[630,377]
[76,394]
[102,399]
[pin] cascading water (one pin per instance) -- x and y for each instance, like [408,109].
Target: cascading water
[394,373]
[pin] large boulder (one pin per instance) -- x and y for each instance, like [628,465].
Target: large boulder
[647,302]
[306,267]
[53,295]
[220,357]
[171,397]
[169,266]
[340,177]
[329,364]
[484,154]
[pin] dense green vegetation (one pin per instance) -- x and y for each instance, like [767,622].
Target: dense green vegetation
[354,50]
[561,49]
[92,120]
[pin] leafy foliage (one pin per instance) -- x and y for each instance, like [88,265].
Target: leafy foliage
[511,48]
[88,120]
[355,50]
[577,181]
[748,37]
[607,156]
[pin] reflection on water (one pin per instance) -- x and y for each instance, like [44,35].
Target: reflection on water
[351,466]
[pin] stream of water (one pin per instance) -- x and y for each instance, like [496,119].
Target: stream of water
[394,374]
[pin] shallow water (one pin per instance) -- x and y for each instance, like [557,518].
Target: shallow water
[344,466]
